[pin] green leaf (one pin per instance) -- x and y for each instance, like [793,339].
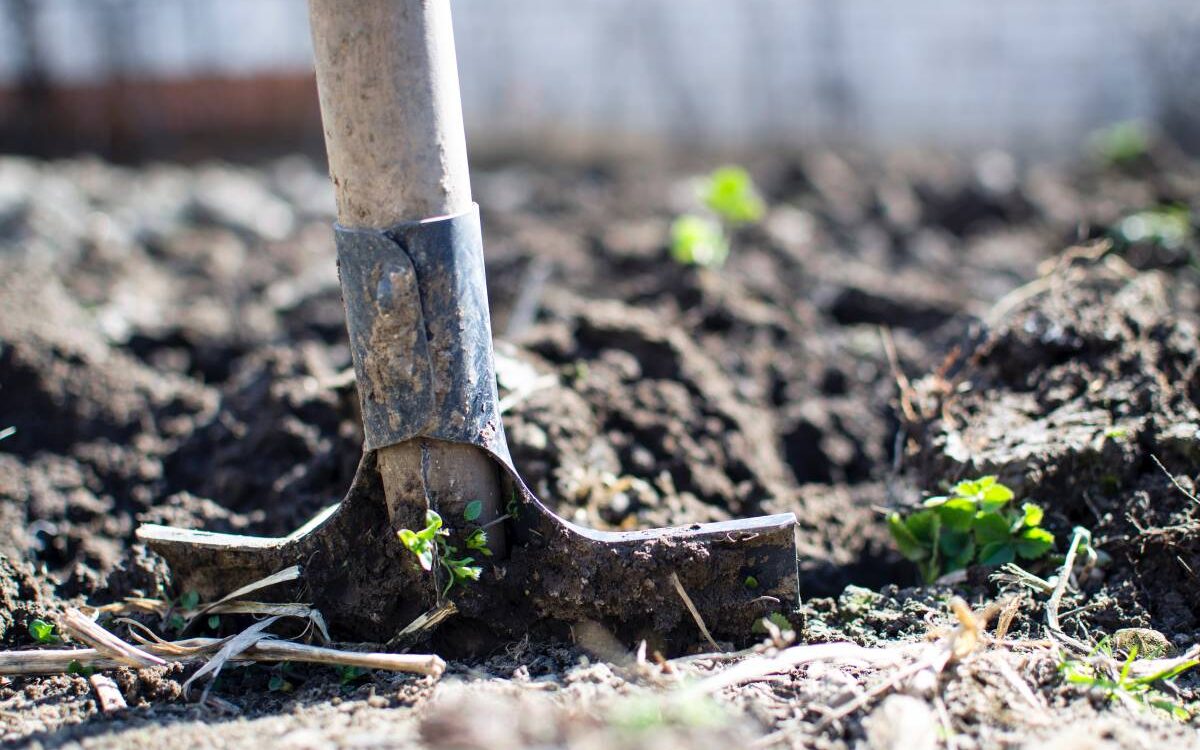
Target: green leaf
[952,542]
[963,557]
[478,541]
[1033,514]
[42,631]
[410,540]
[995,496]
[925,525]
[433,520]
[729,192]
[189,600]
[957,513]
[996,553]
[1033,543]
[698,240]
[751,582]
[906,542]
[75,667]
[991,527]
[214,622]
[967,488]
[473,510]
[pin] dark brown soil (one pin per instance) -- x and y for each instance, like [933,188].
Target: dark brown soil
[172,350]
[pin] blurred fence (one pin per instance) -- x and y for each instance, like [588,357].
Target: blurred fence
[1029,75]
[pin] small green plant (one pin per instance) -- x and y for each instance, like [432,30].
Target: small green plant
[1116,433]
[478,540]
[430,545]
[970,525]
[698,241]
[76,667]
[1121,144]
[189,600]
[348,674]
[729,193]
[43,632]
[730,200]
[1168,226]
[280,684]
[1125,688]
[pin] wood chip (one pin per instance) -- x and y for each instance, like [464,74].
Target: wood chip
[108,695]
[80,627]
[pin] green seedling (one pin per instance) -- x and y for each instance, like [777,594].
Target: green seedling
[698,241]
[43,632]
[1116,433]
[76,667]
[478,540]
[1121,144]
[1125,688]
[348,674]
[729,199]
[729,193]
[430,545]
[970,525]
[775,618]
[1168,227]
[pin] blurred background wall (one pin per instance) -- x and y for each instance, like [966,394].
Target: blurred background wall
[145,78]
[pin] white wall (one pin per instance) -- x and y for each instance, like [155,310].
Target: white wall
[1025,74]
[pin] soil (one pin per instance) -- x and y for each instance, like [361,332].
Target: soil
[173,350]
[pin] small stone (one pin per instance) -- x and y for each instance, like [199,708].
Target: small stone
[1150,643]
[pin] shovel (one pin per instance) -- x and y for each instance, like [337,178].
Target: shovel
[410,261]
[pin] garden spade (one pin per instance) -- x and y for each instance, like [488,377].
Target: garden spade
[410,262]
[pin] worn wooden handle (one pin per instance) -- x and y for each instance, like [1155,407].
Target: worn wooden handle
[388,84]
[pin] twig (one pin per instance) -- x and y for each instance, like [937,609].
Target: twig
[80,627]
[108,695]
[231,648]
[283,576]
[687,602]
[1064,575]
[902,381]
[430,619]
[58,661]
[1174,481]
[1007,614]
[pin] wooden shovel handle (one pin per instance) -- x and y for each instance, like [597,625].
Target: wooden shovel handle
[388,85]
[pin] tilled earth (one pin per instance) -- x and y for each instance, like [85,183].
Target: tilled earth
[172,349]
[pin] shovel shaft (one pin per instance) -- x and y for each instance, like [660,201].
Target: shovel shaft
[387,79]
[388,85]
